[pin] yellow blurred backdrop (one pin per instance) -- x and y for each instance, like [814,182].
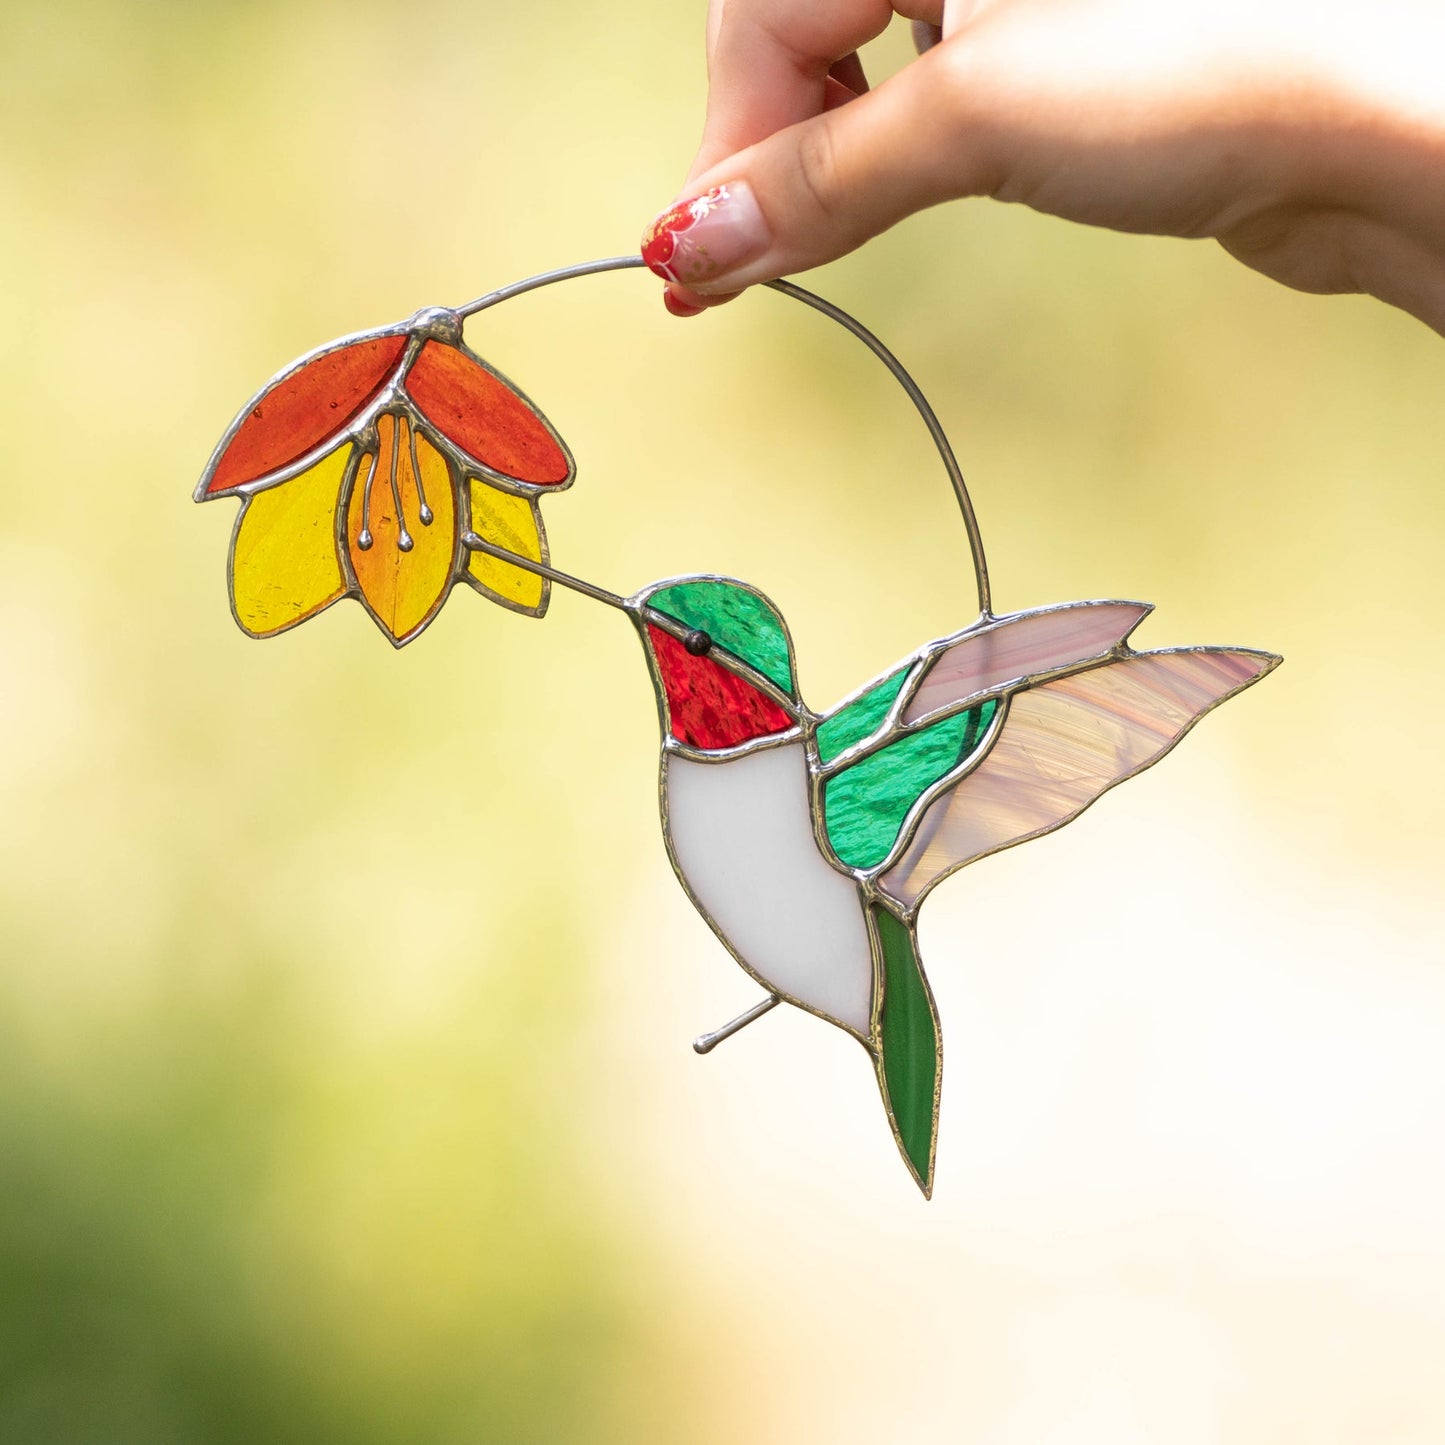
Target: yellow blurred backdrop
[345,995]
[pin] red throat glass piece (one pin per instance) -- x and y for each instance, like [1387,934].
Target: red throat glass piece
[306,408]
[709,706]
[484,416]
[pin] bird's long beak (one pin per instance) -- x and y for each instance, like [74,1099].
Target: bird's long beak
[638,610]
[475,543]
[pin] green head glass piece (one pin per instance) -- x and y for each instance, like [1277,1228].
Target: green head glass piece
[732,616]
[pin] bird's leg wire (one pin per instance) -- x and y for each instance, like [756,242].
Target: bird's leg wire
[706,1043]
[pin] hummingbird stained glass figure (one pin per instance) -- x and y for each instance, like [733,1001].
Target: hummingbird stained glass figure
[808,841]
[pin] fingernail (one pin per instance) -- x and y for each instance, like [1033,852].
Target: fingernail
[699,240]
[926,36]
[679,307]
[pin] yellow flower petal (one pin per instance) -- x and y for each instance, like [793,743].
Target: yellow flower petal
[402,588]
[284,566]
[513,523]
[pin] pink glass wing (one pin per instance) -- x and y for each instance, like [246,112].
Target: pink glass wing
[1017,647]
[1062,745]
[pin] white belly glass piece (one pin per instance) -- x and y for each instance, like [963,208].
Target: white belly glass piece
[741,834]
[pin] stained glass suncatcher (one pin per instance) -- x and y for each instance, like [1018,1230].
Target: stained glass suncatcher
[390,465]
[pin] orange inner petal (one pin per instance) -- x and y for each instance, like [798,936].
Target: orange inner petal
[402,586]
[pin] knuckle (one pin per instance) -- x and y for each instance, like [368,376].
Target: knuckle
[818,170]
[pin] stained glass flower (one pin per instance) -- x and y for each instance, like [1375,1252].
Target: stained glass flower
[362,466]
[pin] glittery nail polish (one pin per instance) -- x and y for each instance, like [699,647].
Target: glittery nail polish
[699,241]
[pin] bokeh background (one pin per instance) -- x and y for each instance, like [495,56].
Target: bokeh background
[346,996]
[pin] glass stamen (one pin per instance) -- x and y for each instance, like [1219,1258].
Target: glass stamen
[364,539]
[426,511]
[403,537]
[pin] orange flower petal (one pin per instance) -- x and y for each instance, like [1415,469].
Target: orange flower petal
[309,403]
[479,412]
[402,585]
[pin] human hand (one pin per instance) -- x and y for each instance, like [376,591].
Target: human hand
[1310,143]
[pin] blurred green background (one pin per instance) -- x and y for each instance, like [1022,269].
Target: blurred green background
[345,996]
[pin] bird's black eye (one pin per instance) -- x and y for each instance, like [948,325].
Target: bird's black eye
[698,643]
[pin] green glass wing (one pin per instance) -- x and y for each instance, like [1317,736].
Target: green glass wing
[856,720]
[865,805]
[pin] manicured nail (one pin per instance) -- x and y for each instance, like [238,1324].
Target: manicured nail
[679,307]
[702,239]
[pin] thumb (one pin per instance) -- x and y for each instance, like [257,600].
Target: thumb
[819,189]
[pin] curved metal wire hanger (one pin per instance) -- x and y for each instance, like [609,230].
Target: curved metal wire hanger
[835,313]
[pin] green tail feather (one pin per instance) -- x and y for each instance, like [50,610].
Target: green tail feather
[910,1054]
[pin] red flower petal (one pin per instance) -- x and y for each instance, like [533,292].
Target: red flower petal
[303,409]
[477,411]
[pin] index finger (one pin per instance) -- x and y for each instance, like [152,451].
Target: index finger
[768,65]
